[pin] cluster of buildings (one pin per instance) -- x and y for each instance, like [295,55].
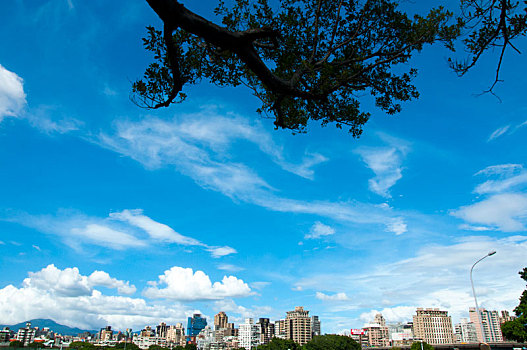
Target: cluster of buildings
[223,335]
[28,335]
[435,327]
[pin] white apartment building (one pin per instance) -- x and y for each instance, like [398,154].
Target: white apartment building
[466,332]
[249,334]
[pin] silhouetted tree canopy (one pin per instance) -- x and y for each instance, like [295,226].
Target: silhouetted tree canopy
[310,59]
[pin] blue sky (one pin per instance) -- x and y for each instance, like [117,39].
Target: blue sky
[111,214]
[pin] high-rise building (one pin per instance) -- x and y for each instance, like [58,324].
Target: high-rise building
[489,325]
[249,334]
[377,332]
[466,332]
[161,330]
[220,320]
[315,326]
[279,329]
[176,335]
[298,325]
[26,335]
[266,330]
[195,324]
[433,326]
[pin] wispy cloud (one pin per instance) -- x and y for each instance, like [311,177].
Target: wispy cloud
[197,146]
[504,206]
[498,132]
[334,297]
[505,212]
[509,177]
[386,163]
[318,230]
[439,278]
[120,230]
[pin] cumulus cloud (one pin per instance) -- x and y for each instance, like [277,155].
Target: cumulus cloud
[318,230]
[70,283]
[101,278]
[184,284]
[12,95]
[386,163]
[334,297]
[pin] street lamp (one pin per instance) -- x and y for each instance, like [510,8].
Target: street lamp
[474,293]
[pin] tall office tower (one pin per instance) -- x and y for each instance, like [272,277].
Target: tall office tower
[195,324]
[489,325]
[315,326]
[466,332]
[377,332]
[266,330]
[176,334]
[433,326]
[161,330]
[249,334]
[220,320]
[298,325]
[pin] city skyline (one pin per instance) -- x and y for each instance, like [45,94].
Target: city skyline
[111,214]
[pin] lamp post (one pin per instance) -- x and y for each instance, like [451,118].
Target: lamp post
[474,293]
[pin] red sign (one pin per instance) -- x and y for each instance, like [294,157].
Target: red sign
[357,332]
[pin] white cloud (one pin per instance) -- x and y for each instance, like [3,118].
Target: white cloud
[318,230]
[120,230]
[386,163]
[155,229]
[197,146]
[36,247]
[70,283]
[185,284]
[397,226]
[510,178]
[12,96]
[506,212]
[437,276]
[498,132]
[218,252]
[230,268]
[68,297]
[101,278]
[334,297]
[106,236]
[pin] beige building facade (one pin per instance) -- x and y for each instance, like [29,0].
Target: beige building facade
[433,326]
[298,325]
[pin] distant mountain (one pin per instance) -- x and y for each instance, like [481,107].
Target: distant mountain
[52,325]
